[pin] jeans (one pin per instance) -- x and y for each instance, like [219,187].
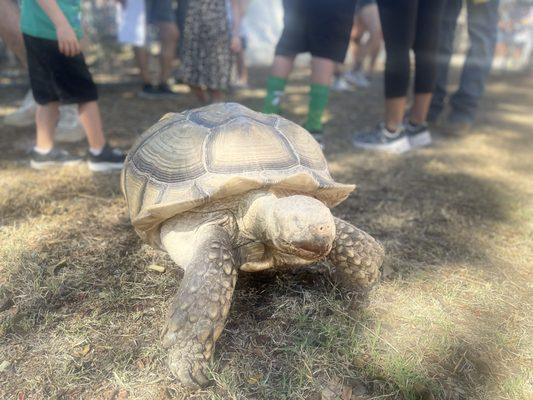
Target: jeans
[482,32]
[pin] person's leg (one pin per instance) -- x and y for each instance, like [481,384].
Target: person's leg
[370,17]
[482,30]
[321,73]
[399,36]
[425,48]
[10,30]
[46,118]
[90,119]
[447,25]
[168,33]
[141,57]
[281,69]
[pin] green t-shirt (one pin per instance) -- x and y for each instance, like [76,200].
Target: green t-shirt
[35,22]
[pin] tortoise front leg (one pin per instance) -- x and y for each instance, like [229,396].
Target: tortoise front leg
[198,313]
[356,255]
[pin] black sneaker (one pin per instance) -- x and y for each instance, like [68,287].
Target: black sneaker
[164,91]
[110,159]
[418,135]
[54,158]
[381,139]
[148,91]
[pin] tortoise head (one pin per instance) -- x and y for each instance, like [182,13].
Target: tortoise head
[301,226]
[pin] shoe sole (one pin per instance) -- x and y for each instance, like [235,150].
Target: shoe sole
[422,139]
[105,166]
[397,147]
[41,165]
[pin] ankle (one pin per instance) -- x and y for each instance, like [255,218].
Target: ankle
[42,150]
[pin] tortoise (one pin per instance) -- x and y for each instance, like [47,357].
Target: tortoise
[221,189]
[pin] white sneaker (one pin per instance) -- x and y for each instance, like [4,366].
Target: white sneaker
[357,78]
[341,85]
[24,115]
[69,128]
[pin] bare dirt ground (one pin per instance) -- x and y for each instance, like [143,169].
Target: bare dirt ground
[80,312]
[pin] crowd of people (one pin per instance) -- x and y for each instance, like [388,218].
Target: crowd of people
[207,38]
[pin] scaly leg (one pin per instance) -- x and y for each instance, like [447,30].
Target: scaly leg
[198,313]
[357,257]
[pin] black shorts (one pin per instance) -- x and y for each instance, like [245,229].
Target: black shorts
[320,27]
[56,77]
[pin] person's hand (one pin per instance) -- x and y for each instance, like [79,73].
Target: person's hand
[68,42]
[236,44]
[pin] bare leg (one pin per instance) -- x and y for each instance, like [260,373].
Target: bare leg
[141,56]
[10,30]
[90,119]
[420,108]
[46,118]
[370,20]
[200,94]
[322,70]
[282,66]
[394,112]
[357,257]
[242,70]
[198,313]
[216,96]
[168,33]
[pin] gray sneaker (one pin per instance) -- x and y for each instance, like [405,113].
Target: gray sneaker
[381,139]
[54,158]
[418,135]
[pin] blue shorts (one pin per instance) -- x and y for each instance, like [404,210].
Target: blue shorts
[159,11]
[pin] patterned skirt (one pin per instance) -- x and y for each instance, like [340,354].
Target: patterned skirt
[205,53]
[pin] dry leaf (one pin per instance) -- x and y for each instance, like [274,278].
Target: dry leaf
[155,267]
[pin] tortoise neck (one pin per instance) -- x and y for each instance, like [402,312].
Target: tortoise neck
[256,215]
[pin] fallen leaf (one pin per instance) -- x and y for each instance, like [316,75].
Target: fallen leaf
[4,365]
[155,267]
[82,352]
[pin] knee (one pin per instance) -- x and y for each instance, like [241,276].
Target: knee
[169,32]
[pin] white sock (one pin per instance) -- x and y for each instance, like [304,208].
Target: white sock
[42,152]
[96,152]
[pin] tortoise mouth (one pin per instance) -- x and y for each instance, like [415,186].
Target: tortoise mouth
[307,251]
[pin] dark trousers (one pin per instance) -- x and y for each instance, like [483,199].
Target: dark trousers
[406,25]
[482,32]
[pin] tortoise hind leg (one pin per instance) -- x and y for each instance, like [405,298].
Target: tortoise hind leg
[357,257]
[198,313]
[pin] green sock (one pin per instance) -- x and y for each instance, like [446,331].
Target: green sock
[275,88]
[317,103]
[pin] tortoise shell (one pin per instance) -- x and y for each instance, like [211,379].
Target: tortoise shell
[189,159]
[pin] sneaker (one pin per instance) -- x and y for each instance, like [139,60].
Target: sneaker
[381,139]
[148,91]
[418,135]
[341,85]
[25,114]
[161,91]
[110,159]
[165,92]
[357,78]
[54,158]
[69,128]
[458,123]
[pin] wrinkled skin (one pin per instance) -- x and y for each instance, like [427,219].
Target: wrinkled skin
[266,232]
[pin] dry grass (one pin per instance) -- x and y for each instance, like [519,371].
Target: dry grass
[80,313]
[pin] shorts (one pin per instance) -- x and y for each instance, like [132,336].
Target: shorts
[159,11]
[362,4]
[132,19]
[56,77]
[320,27]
